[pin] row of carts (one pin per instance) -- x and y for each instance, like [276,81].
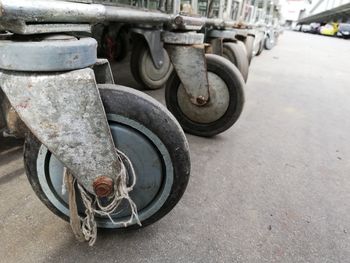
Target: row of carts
[105,156]
[249,29]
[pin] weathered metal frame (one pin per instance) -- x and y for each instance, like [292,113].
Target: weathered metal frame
[103,72]
[64,111]
[154,42]
[186,50]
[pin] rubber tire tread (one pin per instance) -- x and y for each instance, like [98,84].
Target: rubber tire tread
[249,44]
[238,56]
[261,48]
[267,45]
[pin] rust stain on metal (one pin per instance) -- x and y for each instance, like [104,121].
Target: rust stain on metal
[103,186]
[201,100]
[178,20]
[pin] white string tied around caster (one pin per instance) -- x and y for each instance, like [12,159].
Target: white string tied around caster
[85,229]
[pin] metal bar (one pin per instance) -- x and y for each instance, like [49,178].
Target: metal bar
[60,11]
[221,8]
[42,11]
[176,6]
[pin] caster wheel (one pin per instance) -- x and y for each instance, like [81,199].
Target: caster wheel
[269,43]
[236,53]
[261,48]
[249,44]
[115,49]
[224,107]
[152,139]
[143,69]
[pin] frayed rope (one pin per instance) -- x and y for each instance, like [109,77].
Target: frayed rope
[85,229]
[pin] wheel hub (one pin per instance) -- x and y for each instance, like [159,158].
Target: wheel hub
[150,71]
[216,106]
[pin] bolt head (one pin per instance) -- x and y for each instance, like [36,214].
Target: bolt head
[178,20]
[103,186]
[201,100]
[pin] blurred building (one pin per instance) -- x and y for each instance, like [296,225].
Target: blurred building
[294,10]
[318,6]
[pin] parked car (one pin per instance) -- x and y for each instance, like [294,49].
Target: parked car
[344,30]
[297,28]
[329,29]
[315,28]
[305,28]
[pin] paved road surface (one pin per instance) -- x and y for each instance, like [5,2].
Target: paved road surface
[275,188]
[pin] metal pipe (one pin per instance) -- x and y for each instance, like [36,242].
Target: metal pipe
[221,8]
[60,11]
[43,11]
[121,14]
[176,6]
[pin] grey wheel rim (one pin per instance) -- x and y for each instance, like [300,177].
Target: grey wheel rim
[151,161]
[152,76]
[214,109]
[270,42]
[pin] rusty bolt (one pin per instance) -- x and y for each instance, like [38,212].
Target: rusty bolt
[103,186]
[178,20]
[201,100]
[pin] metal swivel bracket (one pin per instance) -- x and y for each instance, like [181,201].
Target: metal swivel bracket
[53,89]
[186,51]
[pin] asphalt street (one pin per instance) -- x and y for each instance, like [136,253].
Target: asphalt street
[273,188]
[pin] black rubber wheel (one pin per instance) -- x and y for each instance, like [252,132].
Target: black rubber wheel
[143,69]
[236,53]
[249,44]
[261,48]
[269,42]
[153,123]
[225,104]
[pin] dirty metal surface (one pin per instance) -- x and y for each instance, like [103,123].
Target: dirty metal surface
[190,65]
[39,11]
[187,23]
[54,54]
[188,38]
[22,28]
[64,111]
[216,45]
[227,34]
[103,72]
